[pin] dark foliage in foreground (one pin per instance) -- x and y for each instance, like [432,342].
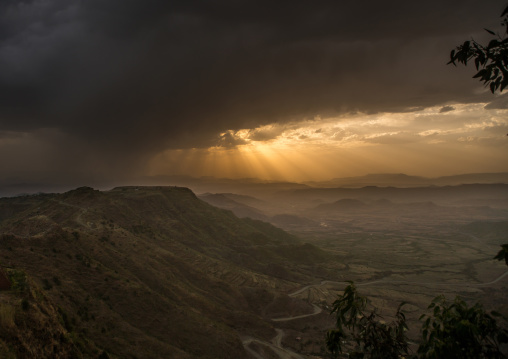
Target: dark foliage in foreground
[452,330]
[490,60]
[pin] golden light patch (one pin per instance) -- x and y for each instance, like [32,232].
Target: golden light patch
[427,142]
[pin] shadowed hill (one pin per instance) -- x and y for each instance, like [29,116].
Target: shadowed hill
[239,209]
[403,180]
[243,199]
[439,195]
[345,204]
[149,272]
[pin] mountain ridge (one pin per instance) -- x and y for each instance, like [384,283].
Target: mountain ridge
[151,272]
[254,186]
[404,180]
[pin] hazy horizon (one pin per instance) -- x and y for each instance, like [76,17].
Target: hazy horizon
[204,184]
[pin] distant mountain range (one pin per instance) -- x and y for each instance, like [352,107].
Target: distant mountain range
[403,180]
[259,188]
[464,194]
[415,209]
[305,209]
[241,210]
[264,188]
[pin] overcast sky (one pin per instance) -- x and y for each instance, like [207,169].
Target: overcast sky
[97,90]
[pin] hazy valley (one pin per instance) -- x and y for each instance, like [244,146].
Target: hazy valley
[148,272]
[193,179]
[397,244]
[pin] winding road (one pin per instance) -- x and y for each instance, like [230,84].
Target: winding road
[283,353]
[317,310]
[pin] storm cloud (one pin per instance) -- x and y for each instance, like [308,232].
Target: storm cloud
[121,80]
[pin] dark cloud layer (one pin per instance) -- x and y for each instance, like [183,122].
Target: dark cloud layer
[499,103]
[125,77]
[446,109]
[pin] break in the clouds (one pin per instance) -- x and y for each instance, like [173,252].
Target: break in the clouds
[426,142]
[424,127]
[101,88]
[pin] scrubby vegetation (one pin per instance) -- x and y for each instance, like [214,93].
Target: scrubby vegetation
[452,330]
[145,272]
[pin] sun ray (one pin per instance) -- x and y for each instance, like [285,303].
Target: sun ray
[424,142]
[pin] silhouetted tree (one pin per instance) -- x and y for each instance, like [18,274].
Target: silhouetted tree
[452,331]
[359,334]
[503,254]
[457,331]
[490,60]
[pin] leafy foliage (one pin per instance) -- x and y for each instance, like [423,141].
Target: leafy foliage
[457,331]
[503,254]
[18,278]
[373,337]
[452,330]
[491,60]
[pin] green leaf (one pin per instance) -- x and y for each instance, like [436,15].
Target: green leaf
[502,337]
[477,62]
[492,44]
[490,32]
[502,254]
[504,83]
[480,73]
[505,11]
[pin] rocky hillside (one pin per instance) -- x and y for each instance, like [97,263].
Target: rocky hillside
[140,272]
